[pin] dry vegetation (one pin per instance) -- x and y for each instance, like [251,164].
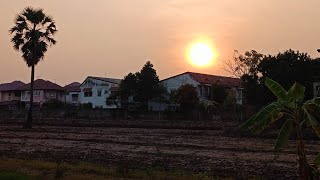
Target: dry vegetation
[207,152]
[38,169]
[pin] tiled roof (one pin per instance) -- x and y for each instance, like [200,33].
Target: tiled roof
[87,89]
[41,84]
[73,87]
[116,81]
[11,86]
[213,79]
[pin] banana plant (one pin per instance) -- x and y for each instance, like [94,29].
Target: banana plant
[296,113]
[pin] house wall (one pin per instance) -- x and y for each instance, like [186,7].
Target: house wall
[96,86]
[9,96]
[53,94]
[38,96]
[41,96]
[175,82]
[170,85]
[71,100]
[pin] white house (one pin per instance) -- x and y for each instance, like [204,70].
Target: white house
[96,90]
[73,93]
[203,83]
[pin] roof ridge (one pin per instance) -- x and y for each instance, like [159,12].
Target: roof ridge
[102,77]
[213,75]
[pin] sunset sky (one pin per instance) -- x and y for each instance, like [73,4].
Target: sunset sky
[115,37]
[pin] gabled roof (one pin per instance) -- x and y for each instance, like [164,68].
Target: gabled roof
[112,80]
[212,79]
[11,86]
[41,84]
[73,87]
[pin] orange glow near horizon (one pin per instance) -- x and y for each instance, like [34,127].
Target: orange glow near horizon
[201,54]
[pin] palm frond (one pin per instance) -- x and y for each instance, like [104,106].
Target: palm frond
[316,100]
[17,41]
[13,29]
[47,19]
[296,92]
[20,18]
[274,116]
[51,29]
[284,134]
[50,40]
[35,16]
[276,89]
[313,122]
[262,115]
[317,160]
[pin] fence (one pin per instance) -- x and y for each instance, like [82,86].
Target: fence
[232,114]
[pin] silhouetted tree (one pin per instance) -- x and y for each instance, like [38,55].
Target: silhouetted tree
[140,87]
[218,93]
[187,97]
[127,89]
[246,64]
[286,68]
[290,67]
[147,83]
[32,34]
[246,67]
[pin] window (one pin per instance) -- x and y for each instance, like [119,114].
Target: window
[113,93]
[74,97]
[17,94]
[36,93]
[99,93]
[317,91]
[207,89]
[87,94]
[51,94]
[200,90]
[239,93]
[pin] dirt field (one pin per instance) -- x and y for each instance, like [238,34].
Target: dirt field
[208,151]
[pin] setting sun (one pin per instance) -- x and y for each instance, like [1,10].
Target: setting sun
[201,54]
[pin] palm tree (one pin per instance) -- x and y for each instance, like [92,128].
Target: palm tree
[32,33]
[297,113]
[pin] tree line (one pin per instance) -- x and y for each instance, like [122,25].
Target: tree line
[286,68]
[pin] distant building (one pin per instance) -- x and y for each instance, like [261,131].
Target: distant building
[203,83]
[96,90]
[73,92]
[43,91]
[9,95]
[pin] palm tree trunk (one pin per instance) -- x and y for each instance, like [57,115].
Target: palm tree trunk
[29,117]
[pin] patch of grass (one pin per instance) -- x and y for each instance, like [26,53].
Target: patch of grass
[14,169]
[13,176]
